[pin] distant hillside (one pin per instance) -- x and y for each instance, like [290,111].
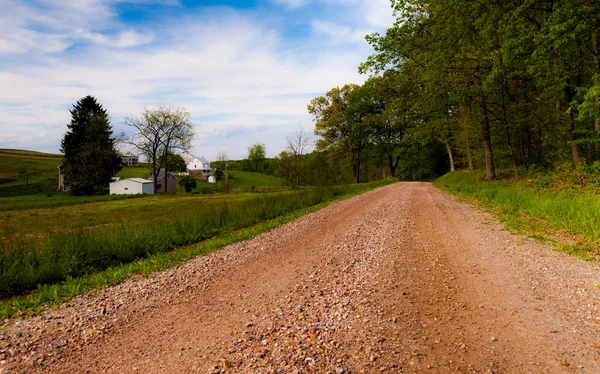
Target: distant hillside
[28,154]
[22,172]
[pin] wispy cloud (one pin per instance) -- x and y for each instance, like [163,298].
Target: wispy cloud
[243,77]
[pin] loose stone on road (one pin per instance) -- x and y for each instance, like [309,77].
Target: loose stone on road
[402,279]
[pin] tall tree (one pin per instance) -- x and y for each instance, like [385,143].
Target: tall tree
[90,157]
[297,142]
[161,131]
[256,155]
[339,123]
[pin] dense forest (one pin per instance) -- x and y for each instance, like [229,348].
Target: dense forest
[471,84]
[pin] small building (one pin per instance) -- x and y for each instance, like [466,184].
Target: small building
[170,182]
[212,179]
[61,180]
[131,186]
[198,167]
[130,160]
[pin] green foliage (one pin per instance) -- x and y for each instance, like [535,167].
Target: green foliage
[188,183]
[175,163]
[91,159]
[498,84]
[257,156]
[158,132]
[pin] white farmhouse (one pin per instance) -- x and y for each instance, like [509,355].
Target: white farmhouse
[131,186]
[198,167]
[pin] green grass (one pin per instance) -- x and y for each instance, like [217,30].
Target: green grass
[104,210]
[58,199]
[538,212]
[248,180]
[140,171]
[30,262]
[23,176]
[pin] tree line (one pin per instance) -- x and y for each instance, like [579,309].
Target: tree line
[509,84]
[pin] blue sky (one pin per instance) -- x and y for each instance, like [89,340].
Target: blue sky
[245,69]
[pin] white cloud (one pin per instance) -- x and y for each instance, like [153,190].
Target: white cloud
[339,33]
[125,39]
[241,80]
[292,4]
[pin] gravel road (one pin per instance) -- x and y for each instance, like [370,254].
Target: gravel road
[402,279]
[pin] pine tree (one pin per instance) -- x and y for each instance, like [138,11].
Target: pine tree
[90,157]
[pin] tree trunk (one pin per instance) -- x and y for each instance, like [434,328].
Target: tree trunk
[511,150]
[490,171]
[393,164]
[449,149]
[522,151]
[571,128]
[470,156]
[154,174]
[574,146]
[596,56]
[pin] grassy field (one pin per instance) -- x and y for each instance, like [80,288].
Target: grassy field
[249,180]
[44,246]
[23,172]
[545,213]
[140,171]
[140,209]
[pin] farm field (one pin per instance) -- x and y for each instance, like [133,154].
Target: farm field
[23,172]
[142,209]
[49,245]
[248,180]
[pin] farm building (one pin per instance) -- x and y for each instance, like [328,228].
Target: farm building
[197,167]
[130,160]
[160,182]
[212,179]
[131,186]
[61,180]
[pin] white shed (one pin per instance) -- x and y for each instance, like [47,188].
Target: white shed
[212,179]
[131,186]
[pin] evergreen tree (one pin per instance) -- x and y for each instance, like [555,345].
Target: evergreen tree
[90,157]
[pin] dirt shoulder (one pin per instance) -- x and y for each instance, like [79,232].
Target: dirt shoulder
[400,279]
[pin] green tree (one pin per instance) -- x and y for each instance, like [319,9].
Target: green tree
[160,131]
[188,183]
[90,158]
[339,123]
[175,162]
[256,156]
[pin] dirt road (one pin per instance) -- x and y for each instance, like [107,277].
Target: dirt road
[402,279]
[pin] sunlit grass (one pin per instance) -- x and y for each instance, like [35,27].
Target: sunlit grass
[81,259]
[536,211]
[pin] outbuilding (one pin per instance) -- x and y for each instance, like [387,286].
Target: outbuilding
[131,186]
[212,179]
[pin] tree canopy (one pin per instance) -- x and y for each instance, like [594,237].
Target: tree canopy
[493,84]
[90,158]
[256,155]
[158,133]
